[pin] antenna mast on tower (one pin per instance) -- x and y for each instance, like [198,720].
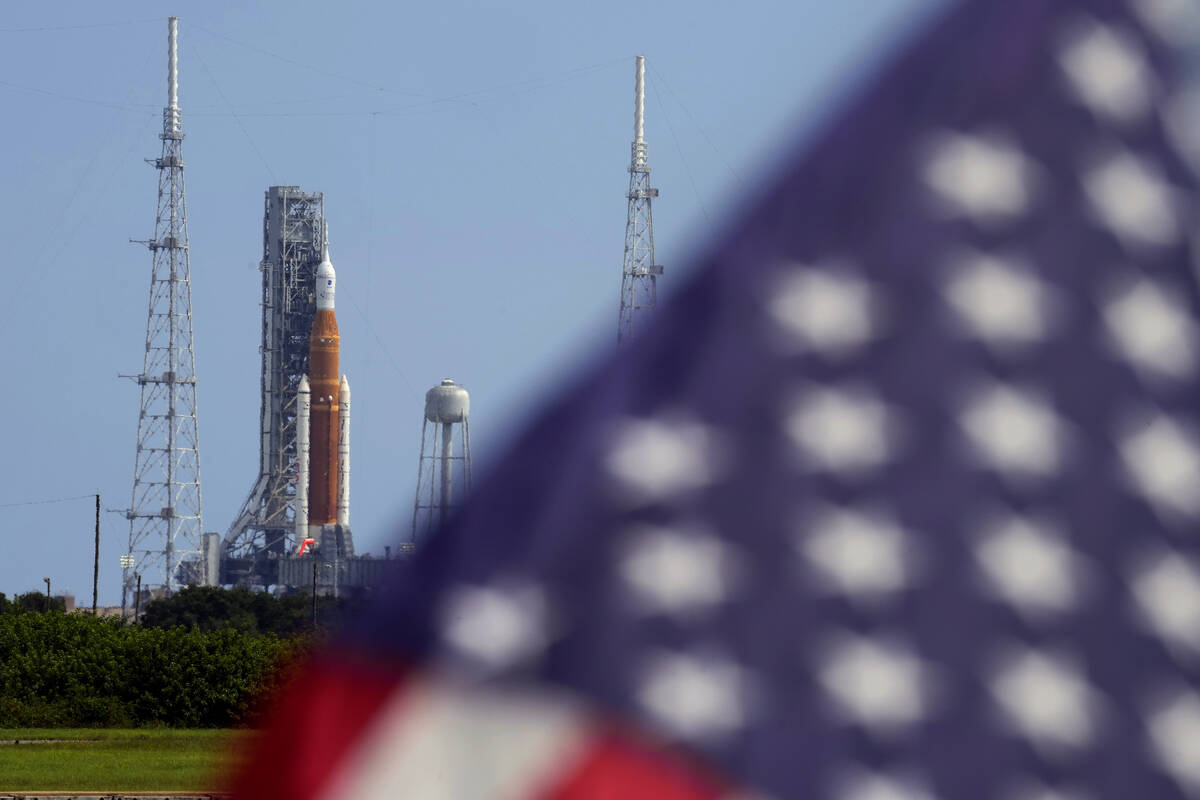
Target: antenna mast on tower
[165,523]
[639,291]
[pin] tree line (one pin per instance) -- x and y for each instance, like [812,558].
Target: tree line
[204,657]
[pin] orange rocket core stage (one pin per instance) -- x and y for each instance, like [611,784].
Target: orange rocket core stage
[323,345]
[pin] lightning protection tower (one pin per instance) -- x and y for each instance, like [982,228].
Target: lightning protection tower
[639,274]
[440,470]
[293,241]
[164,515]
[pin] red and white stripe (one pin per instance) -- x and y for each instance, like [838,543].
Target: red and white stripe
[351,731]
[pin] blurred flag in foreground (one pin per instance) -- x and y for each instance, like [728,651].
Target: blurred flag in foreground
[899,498]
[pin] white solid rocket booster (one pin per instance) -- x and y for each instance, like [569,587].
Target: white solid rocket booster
[343,500]
[303,407]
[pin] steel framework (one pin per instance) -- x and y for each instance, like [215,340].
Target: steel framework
[293,240]
[639,273]
[165,522]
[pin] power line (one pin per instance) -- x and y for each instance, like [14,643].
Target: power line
[703,132]
[516,87]
[48,502]
[91,209]
[425,106]
[530,84]
[294,62]
[140,109]
[236,118]
[379,341]
[80,27]
[40,269]
[687,167]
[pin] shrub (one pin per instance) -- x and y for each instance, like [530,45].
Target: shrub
[75,670]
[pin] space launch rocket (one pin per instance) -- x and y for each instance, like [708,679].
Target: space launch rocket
[322,424]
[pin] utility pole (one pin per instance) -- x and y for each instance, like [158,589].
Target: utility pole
[96,562]
[47,580]
[137,598]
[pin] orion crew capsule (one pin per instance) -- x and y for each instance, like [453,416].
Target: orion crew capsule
[323,426]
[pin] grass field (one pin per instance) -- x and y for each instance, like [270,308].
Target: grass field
[106,760]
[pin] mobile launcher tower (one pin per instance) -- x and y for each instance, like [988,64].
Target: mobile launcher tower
[293,248]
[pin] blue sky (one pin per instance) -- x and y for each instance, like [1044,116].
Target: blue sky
[473,158]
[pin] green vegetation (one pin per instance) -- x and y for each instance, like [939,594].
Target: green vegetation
[30,602]
[59,670]
[114,760]
[210,608]
[108,705]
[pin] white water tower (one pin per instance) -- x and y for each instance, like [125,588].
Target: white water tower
[444,468]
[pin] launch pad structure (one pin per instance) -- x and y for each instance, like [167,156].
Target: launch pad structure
[293,243]
[263,546]
[280,538]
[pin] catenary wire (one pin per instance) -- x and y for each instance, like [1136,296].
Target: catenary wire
[312,67]
[682,158]
[234,114]
[660,78]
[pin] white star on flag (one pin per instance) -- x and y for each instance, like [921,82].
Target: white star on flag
[1046,699]
[495,627]
[676,571]
[825,311]
[984,177]
[1131,198]
[1030,567]
[1174,728]
[1163,463]
[842,429]
[1151,327]
[656,459]
[882,685]
[1108,71]
[1166,594]
[1000,300]
[1013,431]
[694,696]
[862,554]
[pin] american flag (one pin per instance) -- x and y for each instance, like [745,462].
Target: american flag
[897,500]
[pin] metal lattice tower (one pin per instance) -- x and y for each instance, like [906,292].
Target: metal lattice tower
[164,515]
[639,274]
[293,241]
[443,475]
